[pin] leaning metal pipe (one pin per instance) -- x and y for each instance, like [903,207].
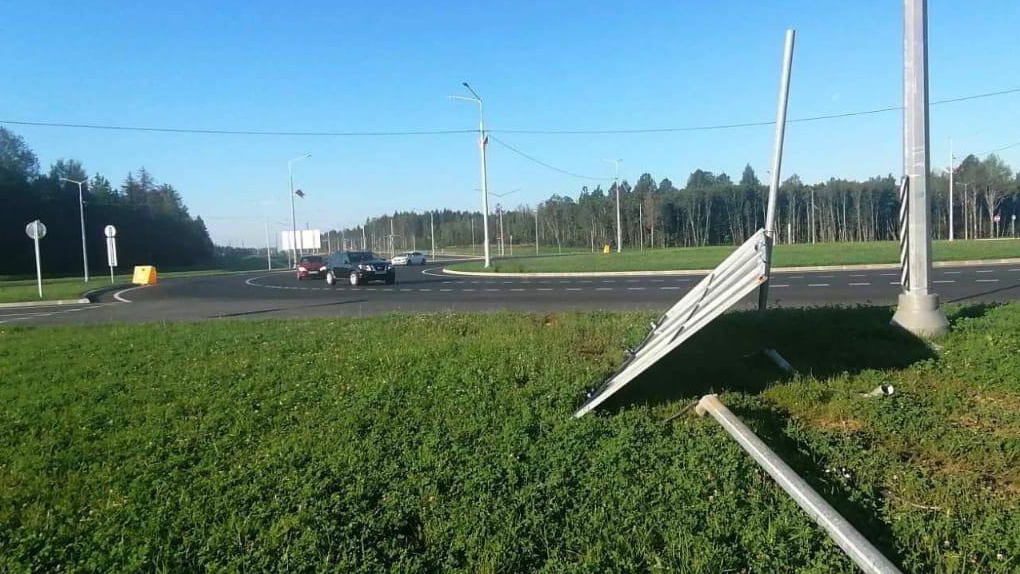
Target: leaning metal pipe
[856,546]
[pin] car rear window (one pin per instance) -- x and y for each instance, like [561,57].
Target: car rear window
[312,259]
[359,256]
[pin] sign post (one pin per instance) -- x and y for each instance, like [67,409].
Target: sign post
[111,248]
[36,231]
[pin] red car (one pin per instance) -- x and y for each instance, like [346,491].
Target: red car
[311,266]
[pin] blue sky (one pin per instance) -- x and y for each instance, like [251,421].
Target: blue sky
[335,66]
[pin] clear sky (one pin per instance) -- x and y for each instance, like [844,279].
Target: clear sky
[361,66]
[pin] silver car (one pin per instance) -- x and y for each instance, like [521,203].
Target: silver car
[409,258]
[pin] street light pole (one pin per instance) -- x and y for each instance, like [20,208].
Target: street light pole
[482,142]
[499,209]
[432,232]
[918,309]
[536,230]
[293,216]
[616,184]
[81,212]
[952,161]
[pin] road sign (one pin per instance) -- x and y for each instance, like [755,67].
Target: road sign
[996,218]
[36,230]
[111,248]
[740,274]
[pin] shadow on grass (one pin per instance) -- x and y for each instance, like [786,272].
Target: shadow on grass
[727,354]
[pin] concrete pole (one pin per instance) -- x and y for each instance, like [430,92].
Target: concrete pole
[777,162]
[918,310]
[952,161]
[432,232]
[502,248]
[641,226]
[619,218]
[536,230]
[483,141]
[269,259]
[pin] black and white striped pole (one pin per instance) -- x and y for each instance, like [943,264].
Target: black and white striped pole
[918,310]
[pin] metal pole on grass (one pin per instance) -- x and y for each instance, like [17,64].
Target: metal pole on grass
[777,162]
[856,546]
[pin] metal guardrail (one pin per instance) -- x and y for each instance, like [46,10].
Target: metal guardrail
[738,275]
[856,546]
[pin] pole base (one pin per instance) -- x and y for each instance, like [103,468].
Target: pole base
[921,315]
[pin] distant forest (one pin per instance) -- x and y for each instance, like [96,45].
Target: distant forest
[153,225]
[712,209]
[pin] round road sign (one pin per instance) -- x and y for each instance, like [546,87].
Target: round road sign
[110,231]
[36,229]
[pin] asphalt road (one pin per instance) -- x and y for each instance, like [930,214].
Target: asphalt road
[280,294]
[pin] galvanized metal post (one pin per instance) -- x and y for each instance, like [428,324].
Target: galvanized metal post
[918,310]
[777,161]
[856,546]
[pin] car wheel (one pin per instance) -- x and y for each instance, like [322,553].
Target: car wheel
[354,279]
[329,279]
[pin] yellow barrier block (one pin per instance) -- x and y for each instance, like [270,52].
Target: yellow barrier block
[605,249]
[144,275]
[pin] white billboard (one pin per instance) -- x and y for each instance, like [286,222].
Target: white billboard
[308,240]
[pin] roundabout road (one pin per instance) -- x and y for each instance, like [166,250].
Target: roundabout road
[428,290]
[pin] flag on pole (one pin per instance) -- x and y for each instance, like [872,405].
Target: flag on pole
[299,193]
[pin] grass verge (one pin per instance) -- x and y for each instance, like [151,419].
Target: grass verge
[797,255]
[14,290]
[312,445]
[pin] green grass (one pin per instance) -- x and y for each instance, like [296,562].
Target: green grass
[301,446]
[25,289]
[797,255]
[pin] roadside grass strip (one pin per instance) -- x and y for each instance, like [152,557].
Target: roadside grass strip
[445,443]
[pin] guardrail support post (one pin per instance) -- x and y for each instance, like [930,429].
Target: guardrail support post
[856,546]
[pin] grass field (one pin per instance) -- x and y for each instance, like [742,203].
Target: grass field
[303,446]
[25,289]
[797,255]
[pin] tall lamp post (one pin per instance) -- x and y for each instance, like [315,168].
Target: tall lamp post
[293,217]
[616,184]
[499,209]
[918,308]
[81,212]
[482,142]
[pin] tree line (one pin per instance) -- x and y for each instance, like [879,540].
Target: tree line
[712,209]
[153,224]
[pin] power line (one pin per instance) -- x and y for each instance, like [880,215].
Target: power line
[544,164]
[203,131]
[998,149]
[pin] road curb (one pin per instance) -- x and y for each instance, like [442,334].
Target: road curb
[689,272]
[91,296]
[50,303]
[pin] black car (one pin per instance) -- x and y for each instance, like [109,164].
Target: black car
[357,267]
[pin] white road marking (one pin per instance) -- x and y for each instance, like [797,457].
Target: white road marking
[857,275]
[888,274]
[894,282]
[492,289]
[119,295]
[985,270]
[545,289]
[780,285]
[635,288]
[826,276]
[818,284]
[859,284]
[517,289]
[987,280]
[603,288]
[446,290]
[952,272]
[665,288]
[573,288]
[944,281]
[467,289]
